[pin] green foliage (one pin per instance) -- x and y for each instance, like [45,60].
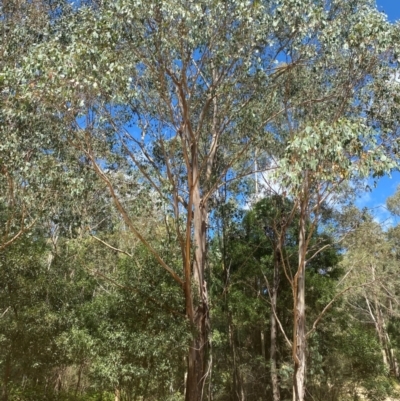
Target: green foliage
[99,94]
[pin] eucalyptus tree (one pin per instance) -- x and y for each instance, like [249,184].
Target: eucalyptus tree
[331,135]
[253,324]
[187,77]
[370,259]
[184,93]
[370,265]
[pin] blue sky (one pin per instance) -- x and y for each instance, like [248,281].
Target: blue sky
[390,7]
[386,186]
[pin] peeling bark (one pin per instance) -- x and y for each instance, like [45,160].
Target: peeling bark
[197,307]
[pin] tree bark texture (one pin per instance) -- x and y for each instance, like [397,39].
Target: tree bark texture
[197,306]
[299,329]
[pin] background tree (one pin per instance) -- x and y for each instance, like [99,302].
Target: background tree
[326,145]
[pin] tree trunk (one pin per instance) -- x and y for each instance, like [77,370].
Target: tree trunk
[389,358]
[117,394]
[273,353]
[196,361]
[78,382]
[197,313]
[299,331]
[394,363]
[381,330]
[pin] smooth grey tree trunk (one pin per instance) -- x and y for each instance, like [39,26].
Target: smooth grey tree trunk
[299,332]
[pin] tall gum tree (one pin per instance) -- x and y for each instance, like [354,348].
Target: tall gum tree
[336,137]
[187,77]
[371,258]
[184,93]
